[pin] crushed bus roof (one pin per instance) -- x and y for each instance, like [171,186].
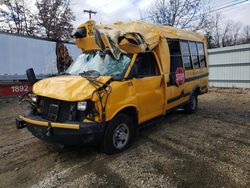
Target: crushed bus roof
[148,30]
[130,37]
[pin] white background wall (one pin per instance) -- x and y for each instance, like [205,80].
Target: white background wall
[230,66]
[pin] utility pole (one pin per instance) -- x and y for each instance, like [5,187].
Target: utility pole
[90,12]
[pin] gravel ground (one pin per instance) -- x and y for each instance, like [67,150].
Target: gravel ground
[208,149]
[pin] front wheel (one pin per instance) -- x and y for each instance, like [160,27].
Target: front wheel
[119,134]
[192,104]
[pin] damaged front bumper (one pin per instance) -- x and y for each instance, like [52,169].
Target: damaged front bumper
[68,133]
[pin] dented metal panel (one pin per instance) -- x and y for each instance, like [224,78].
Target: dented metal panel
[82,88]
[131,37]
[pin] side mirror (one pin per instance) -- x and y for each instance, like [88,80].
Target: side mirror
[31,76]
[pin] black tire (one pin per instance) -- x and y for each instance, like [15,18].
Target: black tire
[112,141]
[191,106]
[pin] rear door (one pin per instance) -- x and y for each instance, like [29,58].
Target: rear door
[148,84]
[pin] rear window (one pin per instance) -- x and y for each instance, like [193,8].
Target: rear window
[201,53]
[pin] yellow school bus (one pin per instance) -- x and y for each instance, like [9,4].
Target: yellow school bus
[127,75]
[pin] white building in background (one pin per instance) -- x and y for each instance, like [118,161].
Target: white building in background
[229,67]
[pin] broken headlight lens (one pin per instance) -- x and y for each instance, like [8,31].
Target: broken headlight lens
[82,105]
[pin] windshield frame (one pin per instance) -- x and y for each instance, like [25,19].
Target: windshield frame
[126,69]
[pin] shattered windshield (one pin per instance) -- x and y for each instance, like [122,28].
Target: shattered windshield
[105,64]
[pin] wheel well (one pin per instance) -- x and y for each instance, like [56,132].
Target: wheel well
[196,91]
[132,112]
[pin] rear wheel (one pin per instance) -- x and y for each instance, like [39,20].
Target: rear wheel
[119,134]
[192,104]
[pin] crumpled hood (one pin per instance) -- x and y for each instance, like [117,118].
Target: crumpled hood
[67,88]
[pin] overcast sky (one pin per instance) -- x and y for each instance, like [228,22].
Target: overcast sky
[109,11]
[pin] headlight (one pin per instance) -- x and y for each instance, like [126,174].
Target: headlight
[33,98]
[82,105]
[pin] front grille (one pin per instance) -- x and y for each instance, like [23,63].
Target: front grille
[57,110]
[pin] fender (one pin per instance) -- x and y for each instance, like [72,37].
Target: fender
[119,110]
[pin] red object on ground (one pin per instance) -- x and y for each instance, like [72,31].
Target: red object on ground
[14,88]
[180,76]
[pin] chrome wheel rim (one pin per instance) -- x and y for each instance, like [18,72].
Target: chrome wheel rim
[121,136]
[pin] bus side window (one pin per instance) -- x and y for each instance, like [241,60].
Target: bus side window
[186,57]
[175,58]
[194,52]
[201,53]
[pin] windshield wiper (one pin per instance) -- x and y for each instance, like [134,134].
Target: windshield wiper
[91,74]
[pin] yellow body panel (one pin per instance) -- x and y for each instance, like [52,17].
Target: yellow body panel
[150,97]
[122,96]
[67,88]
